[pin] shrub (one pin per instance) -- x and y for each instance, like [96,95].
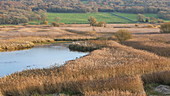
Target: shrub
[45,22]
[165,28]
[57,19]
[160,21]
[25,24]
[123,35]
[92,21]
[141,18]
[136,25]
[55,24]
[101,24]
[62,23]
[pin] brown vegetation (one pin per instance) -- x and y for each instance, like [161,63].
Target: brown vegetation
[165,28]
[88,46]
[162,77]
[22,37]
[123,35]
[112,28]
[112,70]
[158,44]
[22,43]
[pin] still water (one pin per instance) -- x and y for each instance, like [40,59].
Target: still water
[38,57]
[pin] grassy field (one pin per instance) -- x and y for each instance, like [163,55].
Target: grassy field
[81,18]
[134,16]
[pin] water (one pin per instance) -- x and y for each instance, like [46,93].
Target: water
[38,57]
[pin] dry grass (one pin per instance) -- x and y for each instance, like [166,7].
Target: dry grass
[113,93]
[21,43]
[156,43]
[53,84]
[110,29]
[112,70]
[162,77]
[154,79]
[115,70]
[36,31]
[21,37]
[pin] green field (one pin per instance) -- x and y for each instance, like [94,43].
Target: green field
[81,18]
[134,16]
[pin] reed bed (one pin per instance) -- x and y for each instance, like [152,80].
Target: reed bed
[112,70]
[151,81]
[9,46]
[152,44]
[22,37]
[162,77]
[88,46]
[113,93]
[119,61]
[40,31]
[22,43]
[110,29]
[115,69]
[45,85]
[159,37]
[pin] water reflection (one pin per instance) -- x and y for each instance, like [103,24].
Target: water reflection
[38,57]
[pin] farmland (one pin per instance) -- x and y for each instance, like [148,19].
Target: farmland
[134,16]
[81,18]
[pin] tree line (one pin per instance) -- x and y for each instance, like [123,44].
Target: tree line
[22,11]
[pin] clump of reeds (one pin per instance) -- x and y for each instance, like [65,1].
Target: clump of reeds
[9,46]
[88,46]
[22,43]
[165,28]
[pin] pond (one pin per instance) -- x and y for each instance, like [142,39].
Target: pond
[37,57]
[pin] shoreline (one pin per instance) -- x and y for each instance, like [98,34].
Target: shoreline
[34,66]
